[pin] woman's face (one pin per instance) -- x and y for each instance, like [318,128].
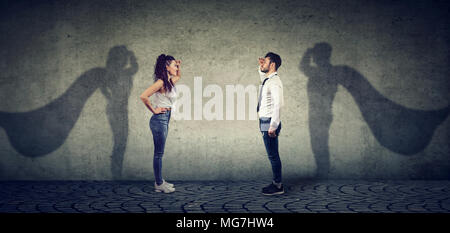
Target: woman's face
[172,68]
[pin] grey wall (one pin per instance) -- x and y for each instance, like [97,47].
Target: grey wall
[377,108]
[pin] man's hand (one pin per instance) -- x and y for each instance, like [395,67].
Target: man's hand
[272,133]
[261,61]
[309,52]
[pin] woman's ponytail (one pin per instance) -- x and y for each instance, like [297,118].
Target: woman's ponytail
[161,70]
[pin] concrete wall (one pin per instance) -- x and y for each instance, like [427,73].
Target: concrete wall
[374,106]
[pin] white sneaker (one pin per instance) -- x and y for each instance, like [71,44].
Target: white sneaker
[169,184]
[164,188]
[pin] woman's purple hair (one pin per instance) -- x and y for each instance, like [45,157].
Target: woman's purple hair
[161,70]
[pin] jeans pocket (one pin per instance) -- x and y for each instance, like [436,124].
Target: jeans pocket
[158,124]
[277,132]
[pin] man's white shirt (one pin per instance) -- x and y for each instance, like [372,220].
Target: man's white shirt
[271,98]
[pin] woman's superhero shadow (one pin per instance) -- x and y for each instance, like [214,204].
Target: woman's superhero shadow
[41,131]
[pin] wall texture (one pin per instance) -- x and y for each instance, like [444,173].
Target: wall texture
[369,100]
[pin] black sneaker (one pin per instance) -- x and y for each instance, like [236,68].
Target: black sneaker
[272,190]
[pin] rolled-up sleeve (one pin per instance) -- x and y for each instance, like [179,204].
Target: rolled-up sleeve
[262,75]
[275,93]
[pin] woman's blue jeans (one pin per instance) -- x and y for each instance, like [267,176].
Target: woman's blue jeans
[159,124]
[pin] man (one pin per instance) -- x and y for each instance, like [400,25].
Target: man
[270,101]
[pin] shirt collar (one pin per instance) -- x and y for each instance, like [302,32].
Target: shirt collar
[272,74]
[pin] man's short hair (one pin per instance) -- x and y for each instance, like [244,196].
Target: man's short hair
[274,58]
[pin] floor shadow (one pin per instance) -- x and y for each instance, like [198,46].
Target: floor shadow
[43,130]
[402,130]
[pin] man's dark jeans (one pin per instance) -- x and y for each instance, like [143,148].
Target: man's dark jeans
[272,152]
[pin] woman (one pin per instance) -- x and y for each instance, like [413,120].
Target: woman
[167,73]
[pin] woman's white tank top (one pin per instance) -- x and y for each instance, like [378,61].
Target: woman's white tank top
[165,100]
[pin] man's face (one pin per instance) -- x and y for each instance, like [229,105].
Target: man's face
[266,65]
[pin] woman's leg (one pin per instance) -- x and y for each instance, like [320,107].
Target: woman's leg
[159,130]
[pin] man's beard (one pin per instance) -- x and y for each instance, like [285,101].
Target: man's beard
[265,71]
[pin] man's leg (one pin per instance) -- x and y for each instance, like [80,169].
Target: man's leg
[271,145]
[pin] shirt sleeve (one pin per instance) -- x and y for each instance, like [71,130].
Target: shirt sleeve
[262,75]
[275,93]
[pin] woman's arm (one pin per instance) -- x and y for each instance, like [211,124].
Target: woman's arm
[133,63]
[149,92]
[177,77]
